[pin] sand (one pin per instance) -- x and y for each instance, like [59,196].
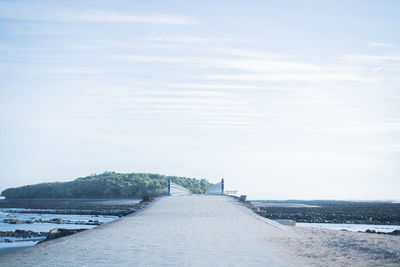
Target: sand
[322,247]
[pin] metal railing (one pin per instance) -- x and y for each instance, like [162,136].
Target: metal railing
[216,189]
[176,190]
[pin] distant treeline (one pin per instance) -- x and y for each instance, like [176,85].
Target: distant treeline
[107,185]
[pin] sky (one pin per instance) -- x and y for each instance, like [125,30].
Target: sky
[283,99]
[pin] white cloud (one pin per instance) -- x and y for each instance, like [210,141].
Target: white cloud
[391,96]
[381,44]
[297,77]
[115,17]
[269,65]
[210,86]
[248,53]
[32,12]
[278,69]
[386,147]
[366,128]
[185,39]
[372,58]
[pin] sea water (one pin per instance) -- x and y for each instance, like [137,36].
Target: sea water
[75,222]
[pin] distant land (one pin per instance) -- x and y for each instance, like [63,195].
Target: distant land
[107,185]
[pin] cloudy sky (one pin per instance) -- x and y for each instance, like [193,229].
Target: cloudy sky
[284,99]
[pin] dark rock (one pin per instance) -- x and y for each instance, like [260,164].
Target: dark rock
[261,213]
[370,231]
[61,232]
[57,220]
[92,222]
[395,232]
[10,221]
[8,240]
[21,234]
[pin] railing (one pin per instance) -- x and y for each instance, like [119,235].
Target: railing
[176,190]
[216,189]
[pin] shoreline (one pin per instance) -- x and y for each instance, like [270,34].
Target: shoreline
[129,210]
[111,207]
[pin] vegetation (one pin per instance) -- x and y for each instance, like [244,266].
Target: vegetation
[107,185]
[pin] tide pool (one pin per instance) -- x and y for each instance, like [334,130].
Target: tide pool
[74,222]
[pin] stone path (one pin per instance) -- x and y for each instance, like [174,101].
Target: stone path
[173,231]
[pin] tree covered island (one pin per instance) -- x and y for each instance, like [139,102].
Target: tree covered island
[107,185]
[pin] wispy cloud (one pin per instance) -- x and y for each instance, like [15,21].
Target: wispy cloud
[372,58]
[263,68]
[296,77]
[386,147]
[269,65]
[390,96]
[186,39]
[382,45]
[32,12]
[201,85]
[115,17]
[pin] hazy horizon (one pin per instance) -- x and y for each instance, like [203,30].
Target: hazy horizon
[283,99]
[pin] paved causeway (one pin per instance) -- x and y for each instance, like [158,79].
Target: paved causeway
[173,231]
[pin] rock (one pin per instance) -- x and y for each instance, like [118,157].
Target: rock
[262,213]
[286,222]
[21,234]
[370,231]
[57,220]
[10,221]
[395,232]
[14,221]
[92,222]
[61,232]
[8,240]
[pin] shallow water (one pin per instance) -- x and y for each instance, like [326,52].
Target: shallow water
[352,227]
[17,243]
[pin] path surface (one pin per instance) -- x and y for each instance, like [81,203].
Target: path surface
[173,231]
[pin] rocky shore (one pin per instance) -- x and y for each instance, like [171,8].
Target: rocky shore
[38,236]
[395,232]
[322,211]
[346,212]
[55,220]
[111,207]
[69,207]
[22,234]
